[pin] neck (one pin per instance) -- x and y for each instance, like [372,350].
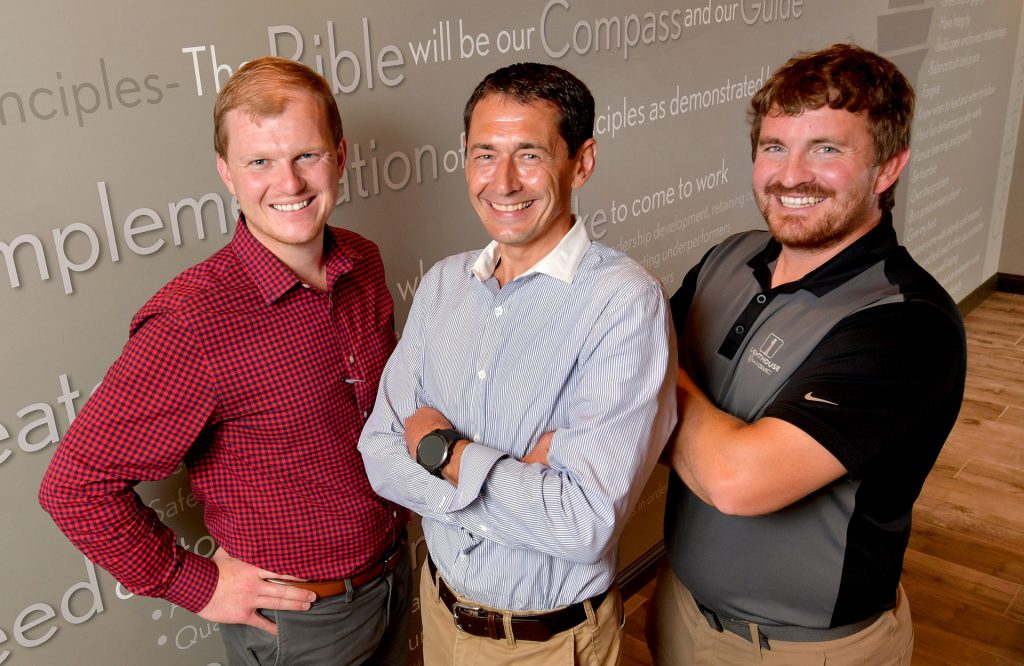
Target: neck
[306,261]
[516,260]
[313,272]
[796,262]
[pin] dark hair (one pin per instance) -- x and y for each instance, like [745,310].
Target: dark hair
[529,82]
[843,76]
[263,87]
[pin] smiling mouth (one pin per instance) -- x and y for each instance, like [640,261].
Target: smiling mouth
[799,202]
[510,208]
[291,208]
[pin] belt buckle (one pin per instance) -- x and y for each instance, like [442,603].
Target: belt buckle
[460,608]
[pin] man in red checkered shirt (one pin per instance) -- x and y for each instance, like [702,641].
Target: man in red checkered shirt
[257,368]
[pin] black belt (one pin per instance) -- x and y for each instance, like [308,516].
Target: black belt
[479,621]
[769,632]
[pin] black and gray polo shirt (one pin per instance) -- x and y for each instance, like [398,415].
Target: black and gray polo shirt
[867,355]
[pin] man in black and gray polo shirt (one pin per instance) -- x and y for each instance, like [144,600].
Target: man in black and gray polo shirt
[821,371]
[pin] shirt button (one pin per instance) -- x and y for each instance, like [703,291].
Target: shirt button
[476,437]
[739,330]
[482,374]
[498,311]
[304,285]
[351,359]
[365,414]
[761,298]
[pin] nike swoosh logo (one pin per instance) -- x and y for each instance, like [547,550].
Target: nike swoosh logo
[813,398]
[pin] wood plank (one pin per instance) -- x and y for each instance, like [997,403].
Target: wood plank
[1013,416]
[980,410]
[994,441]
[1016,609]
[995,390]
[934,646]
[968,550]
[963,602]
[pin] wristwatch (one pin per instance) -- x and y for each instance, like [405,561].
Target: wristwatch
[435,450]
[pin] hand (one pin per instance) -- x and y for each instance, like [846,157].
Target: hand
[539,452]
[243,588]
[423,421]
[685,386]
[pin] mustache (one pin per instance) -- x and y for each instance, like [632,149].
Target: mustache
[810,190]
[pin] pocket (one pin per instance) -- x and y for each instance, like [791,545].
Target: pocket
[266,648]
[601,646]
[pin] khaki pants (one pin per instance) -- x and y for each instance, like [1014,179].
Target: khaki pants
[594,642]
[677,633]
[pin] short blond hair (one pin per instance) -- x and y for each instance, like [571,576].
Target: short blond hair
[263,87]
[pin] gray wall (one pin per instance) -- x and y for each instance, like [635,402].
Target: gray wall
[105,136]
[1011,259]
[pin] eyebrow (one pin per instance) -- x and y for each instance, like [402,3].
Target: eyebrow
[525,145]
[765,140]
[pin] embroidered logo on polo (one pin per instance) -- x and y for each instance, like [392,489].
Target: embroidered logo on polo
[810,397]
[762,356]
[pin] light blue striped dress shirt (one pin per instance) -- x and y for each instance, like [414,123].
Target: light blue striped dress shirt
[581,344]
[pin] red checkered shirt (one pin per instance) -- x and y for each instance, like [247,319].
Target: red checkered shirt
[261,386]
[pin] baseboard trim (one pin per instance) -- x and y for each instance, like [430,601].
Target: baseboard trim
[1010,283]
[641,571]
[978,296]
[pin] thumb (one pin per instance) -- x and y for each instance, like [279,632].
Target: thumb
[260,622]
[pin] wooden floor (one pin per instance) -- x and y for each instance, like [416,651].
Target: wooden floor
[964,571]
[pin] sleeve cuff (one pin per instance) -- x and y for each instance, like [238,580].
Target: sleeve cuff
[476,464]
[193,587]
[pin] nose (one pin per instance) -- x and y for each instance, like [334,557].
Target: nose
[506,177]
[290,181]
[794,170]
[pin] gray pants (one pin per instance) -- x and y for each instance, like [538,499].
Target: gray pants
[372,628]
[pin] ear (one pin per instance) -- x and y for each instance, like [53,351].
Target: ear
[342,157]
[225,174]
[890,170]
[586,159]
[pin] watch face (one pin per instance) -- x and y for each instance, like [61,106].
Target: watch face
[432,450]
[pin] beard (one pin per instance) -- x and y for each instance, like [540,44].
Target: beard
[820,230]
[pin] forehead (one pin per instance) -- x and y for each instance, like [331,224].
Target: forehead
[820,123]
[299,117]
[500,114]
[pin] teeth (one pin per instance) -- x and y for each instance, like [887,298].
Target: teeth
[511,207]
[799,202]
[288,208]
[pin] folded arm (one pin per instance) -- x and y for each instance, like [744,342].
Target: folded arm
[620,414]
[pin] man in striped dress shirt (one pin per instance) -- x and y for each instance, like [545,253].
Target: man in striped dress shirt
[529,397]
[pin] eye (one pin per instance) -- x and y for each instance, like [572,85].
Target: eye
[308,156]
[771,148]
[258,163]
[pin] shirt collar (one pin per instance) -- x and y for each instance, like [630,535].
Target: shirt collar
[869,249]
[269,273]
[562,262]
